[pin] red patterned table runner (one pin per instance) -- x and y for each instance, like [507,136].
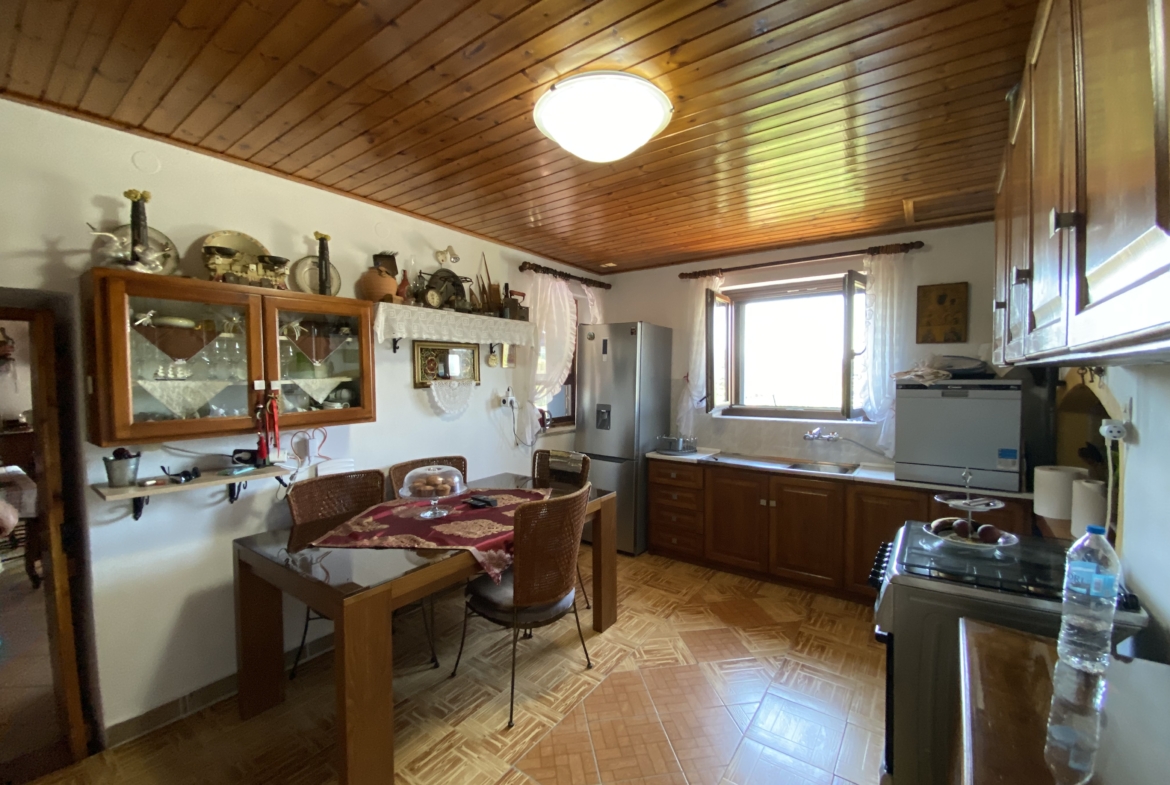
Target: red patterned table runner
[486,532]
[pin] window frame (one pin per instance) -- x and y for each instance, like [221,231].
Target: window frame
[850,283]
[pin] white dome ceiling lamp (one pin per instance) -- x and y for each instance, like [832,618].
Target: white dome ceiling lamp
[602,116]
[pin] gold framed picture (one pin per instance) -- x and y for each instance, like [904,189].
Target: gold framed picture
[440,361]
[942,313]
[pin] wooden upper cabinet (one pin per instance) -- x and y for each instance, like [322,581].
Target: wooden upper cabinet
[177,358]
[737,518]
[1054,175]
[1019,222]
[874,513]
[807,530]
[1002,251]
[1123,287]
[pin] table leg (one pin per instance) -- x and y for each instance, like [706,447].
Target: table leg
[605,565]
[364,676]
[259,642]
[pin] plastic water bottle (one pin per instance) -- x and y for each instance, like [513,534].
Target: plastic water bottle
[1074,724]
[1091,576]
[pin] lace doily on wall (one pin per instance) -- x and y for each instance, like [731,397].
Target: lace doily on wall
[428,324]
[451,397]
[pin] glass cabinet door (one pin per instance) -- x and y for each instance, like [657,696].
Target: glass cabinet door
[186,360]
[319,359]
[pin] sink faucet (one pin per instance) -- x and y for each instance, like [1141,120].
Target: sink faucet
[816,434]
[813,435]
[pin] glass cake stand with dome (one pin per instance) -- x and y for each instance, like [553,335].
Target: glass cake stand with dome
[432,483]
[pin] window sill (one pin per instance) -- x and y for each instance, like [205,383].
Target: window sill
[809,420]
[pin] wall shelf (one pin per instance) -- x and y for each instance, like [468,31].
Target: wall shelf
[394,322]
[140,496]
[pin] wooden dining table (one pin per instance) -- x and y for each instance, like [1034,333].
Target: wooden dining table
[359,589]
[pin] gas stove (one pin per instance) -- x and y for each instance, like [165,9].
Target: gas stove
[924,587]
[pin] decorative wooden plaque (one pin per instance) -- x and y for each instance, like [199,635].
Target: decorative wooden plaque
[942,313]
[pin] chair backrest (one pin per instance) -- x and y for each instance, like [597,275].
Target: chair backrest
[547,538]
[397,474]
[548,466]
[334,495]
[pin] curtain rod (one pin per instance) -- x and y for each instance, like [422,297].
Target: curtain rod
[542,270]
[872,251]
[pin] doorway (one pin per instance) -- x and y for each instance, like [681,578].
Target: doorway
[42,726]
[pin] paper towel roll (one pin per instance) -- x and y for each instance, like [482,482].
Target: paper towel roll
[1053,489]
[1088,505]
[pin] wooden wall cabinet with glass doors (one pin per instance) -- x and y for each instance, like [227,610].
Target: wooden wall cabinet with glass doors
[178,358]
[1083,213]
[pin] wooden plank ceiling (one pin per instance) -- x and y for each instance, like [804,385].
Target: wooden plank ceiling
[794,121]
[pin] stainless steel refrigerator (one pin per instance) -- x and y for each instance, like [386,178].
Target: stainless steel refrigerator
[623,406]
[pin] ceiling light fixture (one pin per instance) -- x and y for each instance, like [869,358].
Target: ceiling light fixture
[602,116]
[610,264]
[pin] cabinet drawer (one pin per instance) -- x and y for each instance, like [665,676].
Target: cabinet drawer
[681,474]
[675,518]
[669,538]
[671,496]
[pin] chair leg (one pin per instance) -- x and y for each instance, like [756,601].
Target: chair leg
[301,649]
[462,638]
[588,662]
[429,626]
[582,582]
[512,697]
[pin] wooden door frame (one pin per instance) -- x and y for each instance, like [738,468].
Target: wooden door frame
[51,518]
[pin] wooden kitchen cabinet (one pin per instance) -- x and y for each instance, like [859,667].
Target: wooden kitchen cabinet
[177,358]
[1083,212]
[806,530]
[874,513]
[737,518]
[1053,176]
[1002,254]
[675,523]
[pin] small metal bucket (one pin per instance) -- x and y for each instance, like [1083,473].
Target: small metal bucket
[122,472]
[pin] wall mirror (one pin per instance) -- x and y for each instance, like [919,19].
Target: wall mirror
[437,361]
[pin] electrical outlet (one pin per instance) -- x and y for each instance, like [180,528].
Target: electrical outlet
[507,399]
[1114,430]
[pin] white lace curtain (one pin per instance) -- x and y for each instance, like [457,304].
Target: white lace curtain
[694,390]
[554,313]
[889,334]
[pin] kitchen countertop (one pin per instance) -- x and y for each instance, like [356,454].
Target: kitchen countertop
[1006,695]
[878,473]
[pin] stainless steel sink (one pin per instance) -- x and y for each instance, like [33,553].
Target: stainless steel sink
[824,468]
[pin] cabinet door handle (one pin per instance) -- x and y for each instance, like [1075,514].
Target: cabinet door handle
[673,475]
[674,519]
[772,503]
[1000,305]
[1023,276]
[1058,220]
[763,502]
[674,497]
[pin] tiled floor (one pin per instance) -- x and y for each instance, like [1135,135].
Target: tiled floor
[28,710]
[706,679]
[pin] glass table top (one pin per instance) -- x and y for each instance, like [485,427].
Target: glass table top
[352,570]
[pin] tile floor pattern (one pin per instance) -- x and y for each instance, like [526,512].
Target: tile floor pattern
[707,679]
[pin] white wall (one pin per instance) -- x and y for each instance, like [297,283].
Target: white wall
[162,586]
[964,253]
[1145,535]
[16,383]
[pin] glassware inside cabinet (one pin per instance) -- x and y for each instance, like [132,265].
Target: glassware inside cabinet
[188,360]
[320,361]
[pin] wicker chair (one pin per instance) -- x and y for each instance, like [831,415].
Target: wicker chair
[549,466]
[538,589]
[332,496]
[397,474]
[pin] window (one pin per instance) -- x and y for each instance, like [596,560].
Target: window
[788,349]
[561,409]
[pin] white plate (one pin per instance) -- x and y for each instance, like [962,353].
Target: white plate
[172,321]
[303,276]
[952,540]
